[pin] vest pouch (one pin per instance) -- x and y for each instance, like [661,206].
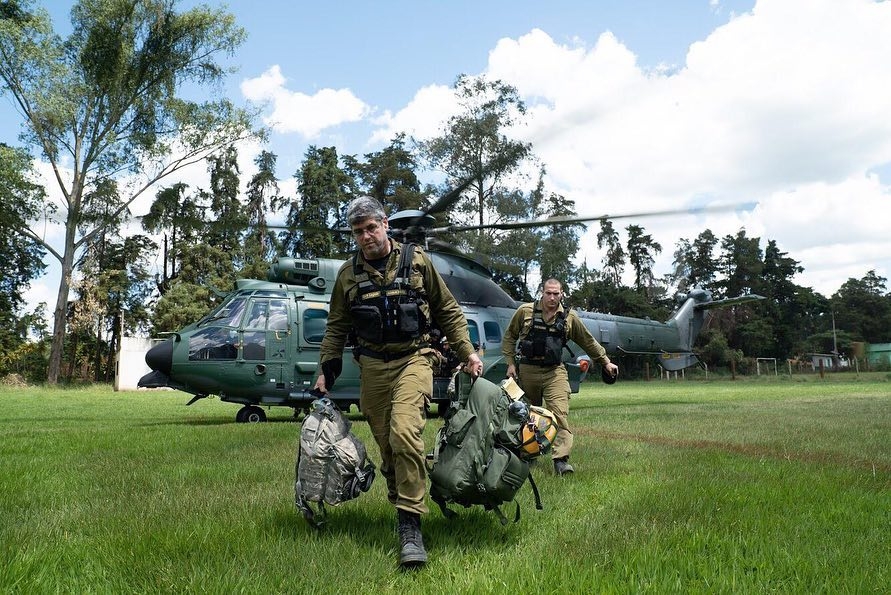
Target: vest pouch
[553,350]
[504,475]
[368,323]
[410,319]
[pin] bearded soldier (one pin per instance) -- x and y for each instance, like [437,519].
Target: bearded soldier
[387,298]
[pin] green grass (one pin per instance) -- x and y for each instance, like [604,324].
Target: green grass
[753,486]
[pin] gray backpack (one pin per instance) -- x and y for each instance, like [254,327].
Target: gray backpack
[332,466]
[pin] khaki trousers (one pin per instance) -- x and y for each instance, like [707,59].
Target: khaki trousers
[392,396]
[548,386]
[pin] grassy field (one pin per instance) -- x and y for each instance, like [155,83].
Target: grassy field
[747,486]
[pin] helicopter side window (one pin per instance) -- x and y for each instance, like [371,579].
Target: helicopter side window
[314,320]
[213,344]
[474,332]
[492,331]
[255,345]
[278,315]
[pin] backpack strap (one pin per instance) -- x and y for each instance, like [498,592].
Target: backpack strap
[404,271]
[538,505]
[310,515]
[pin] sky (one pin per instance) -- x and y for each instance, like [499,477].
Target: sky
[633,106]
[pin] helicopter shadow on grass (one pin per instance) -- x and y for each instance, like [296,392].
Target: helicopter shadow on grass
[216,421]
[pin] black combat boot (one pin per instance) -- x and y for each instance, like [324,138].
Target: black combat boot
[562,466]
[412,552]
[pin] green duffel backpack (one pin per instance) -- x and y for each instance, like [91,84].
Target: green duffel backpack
[477,458]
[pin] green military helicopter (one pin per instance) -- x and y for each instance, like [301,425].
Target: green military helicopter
[260,346]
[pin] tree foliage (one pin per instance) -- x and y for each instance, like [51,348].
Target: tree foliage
[641,248]
[324,190]
[389,175]
[105,103]
[862,307]
[476,152]
[21,257]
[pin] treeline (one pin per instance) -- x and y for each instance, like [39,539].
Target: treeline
[112,118]
[197,242]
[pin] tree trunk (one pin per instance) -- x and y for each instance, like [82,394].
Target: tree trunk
[60,315]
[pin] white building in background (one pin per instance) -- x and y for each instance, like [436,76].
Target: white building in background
[130,363]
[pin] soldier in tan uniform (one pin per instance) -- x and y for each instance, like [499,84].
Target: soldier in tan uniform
[387,302]
[537,333]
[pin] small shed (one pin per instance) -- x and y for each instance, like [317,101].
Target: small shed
[878,354]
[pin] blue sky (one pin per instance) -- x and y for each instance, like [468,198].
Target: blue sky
[634,106]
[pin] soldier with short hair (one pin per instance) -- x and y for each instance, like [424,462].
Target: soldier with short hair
[535,339]
[387,298]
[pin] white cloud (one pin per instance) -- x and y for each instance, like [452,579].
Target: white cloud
[423,117]
[293,111]
[786,106]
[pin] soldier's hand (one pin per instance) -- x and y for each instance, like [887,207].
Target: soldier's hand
[320,384]
[474,366]
[511,371]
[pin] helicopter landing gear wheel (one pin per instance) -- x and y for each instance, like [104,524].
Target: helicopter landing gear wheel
[250,414]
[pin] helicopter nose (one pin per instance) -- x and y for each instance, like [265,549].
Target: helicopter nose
[160,357]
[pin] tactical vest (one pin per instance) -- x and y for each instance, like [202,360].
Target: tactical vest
[543,344]
[387,313]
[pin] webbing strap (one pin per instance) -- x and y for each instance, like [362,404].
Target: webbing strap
[538,505]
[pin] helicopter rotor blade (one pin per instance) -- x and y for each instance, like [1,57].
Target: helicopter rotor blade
[308,228]
[569,220]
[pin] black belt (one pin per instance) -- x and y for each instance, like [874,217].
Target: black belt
[526,362]
[387,356]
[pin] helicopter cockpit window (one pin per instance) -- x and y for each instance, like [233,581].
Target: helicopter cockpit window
[314,321]
[492,331]
[229,314]
[474,331]
[213,344]
[257,317]
[278,315]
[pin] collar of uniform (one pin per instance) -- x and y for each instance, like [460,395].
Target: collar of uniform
[541,307]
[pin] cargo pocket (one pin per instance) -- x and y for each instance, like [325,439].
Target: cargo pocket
[459,425]
[504,475]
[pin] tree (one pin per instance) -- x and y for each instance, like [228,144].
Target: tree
[695,263]
[263,195]
[325,190]
[228,219]
[112,293]
[560,242]
[862,307]
[741,265]
[782,315]
[475,151]
[614,261]
[21,257]
[389,176]
[641,247]
[104,104]
[179,216]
